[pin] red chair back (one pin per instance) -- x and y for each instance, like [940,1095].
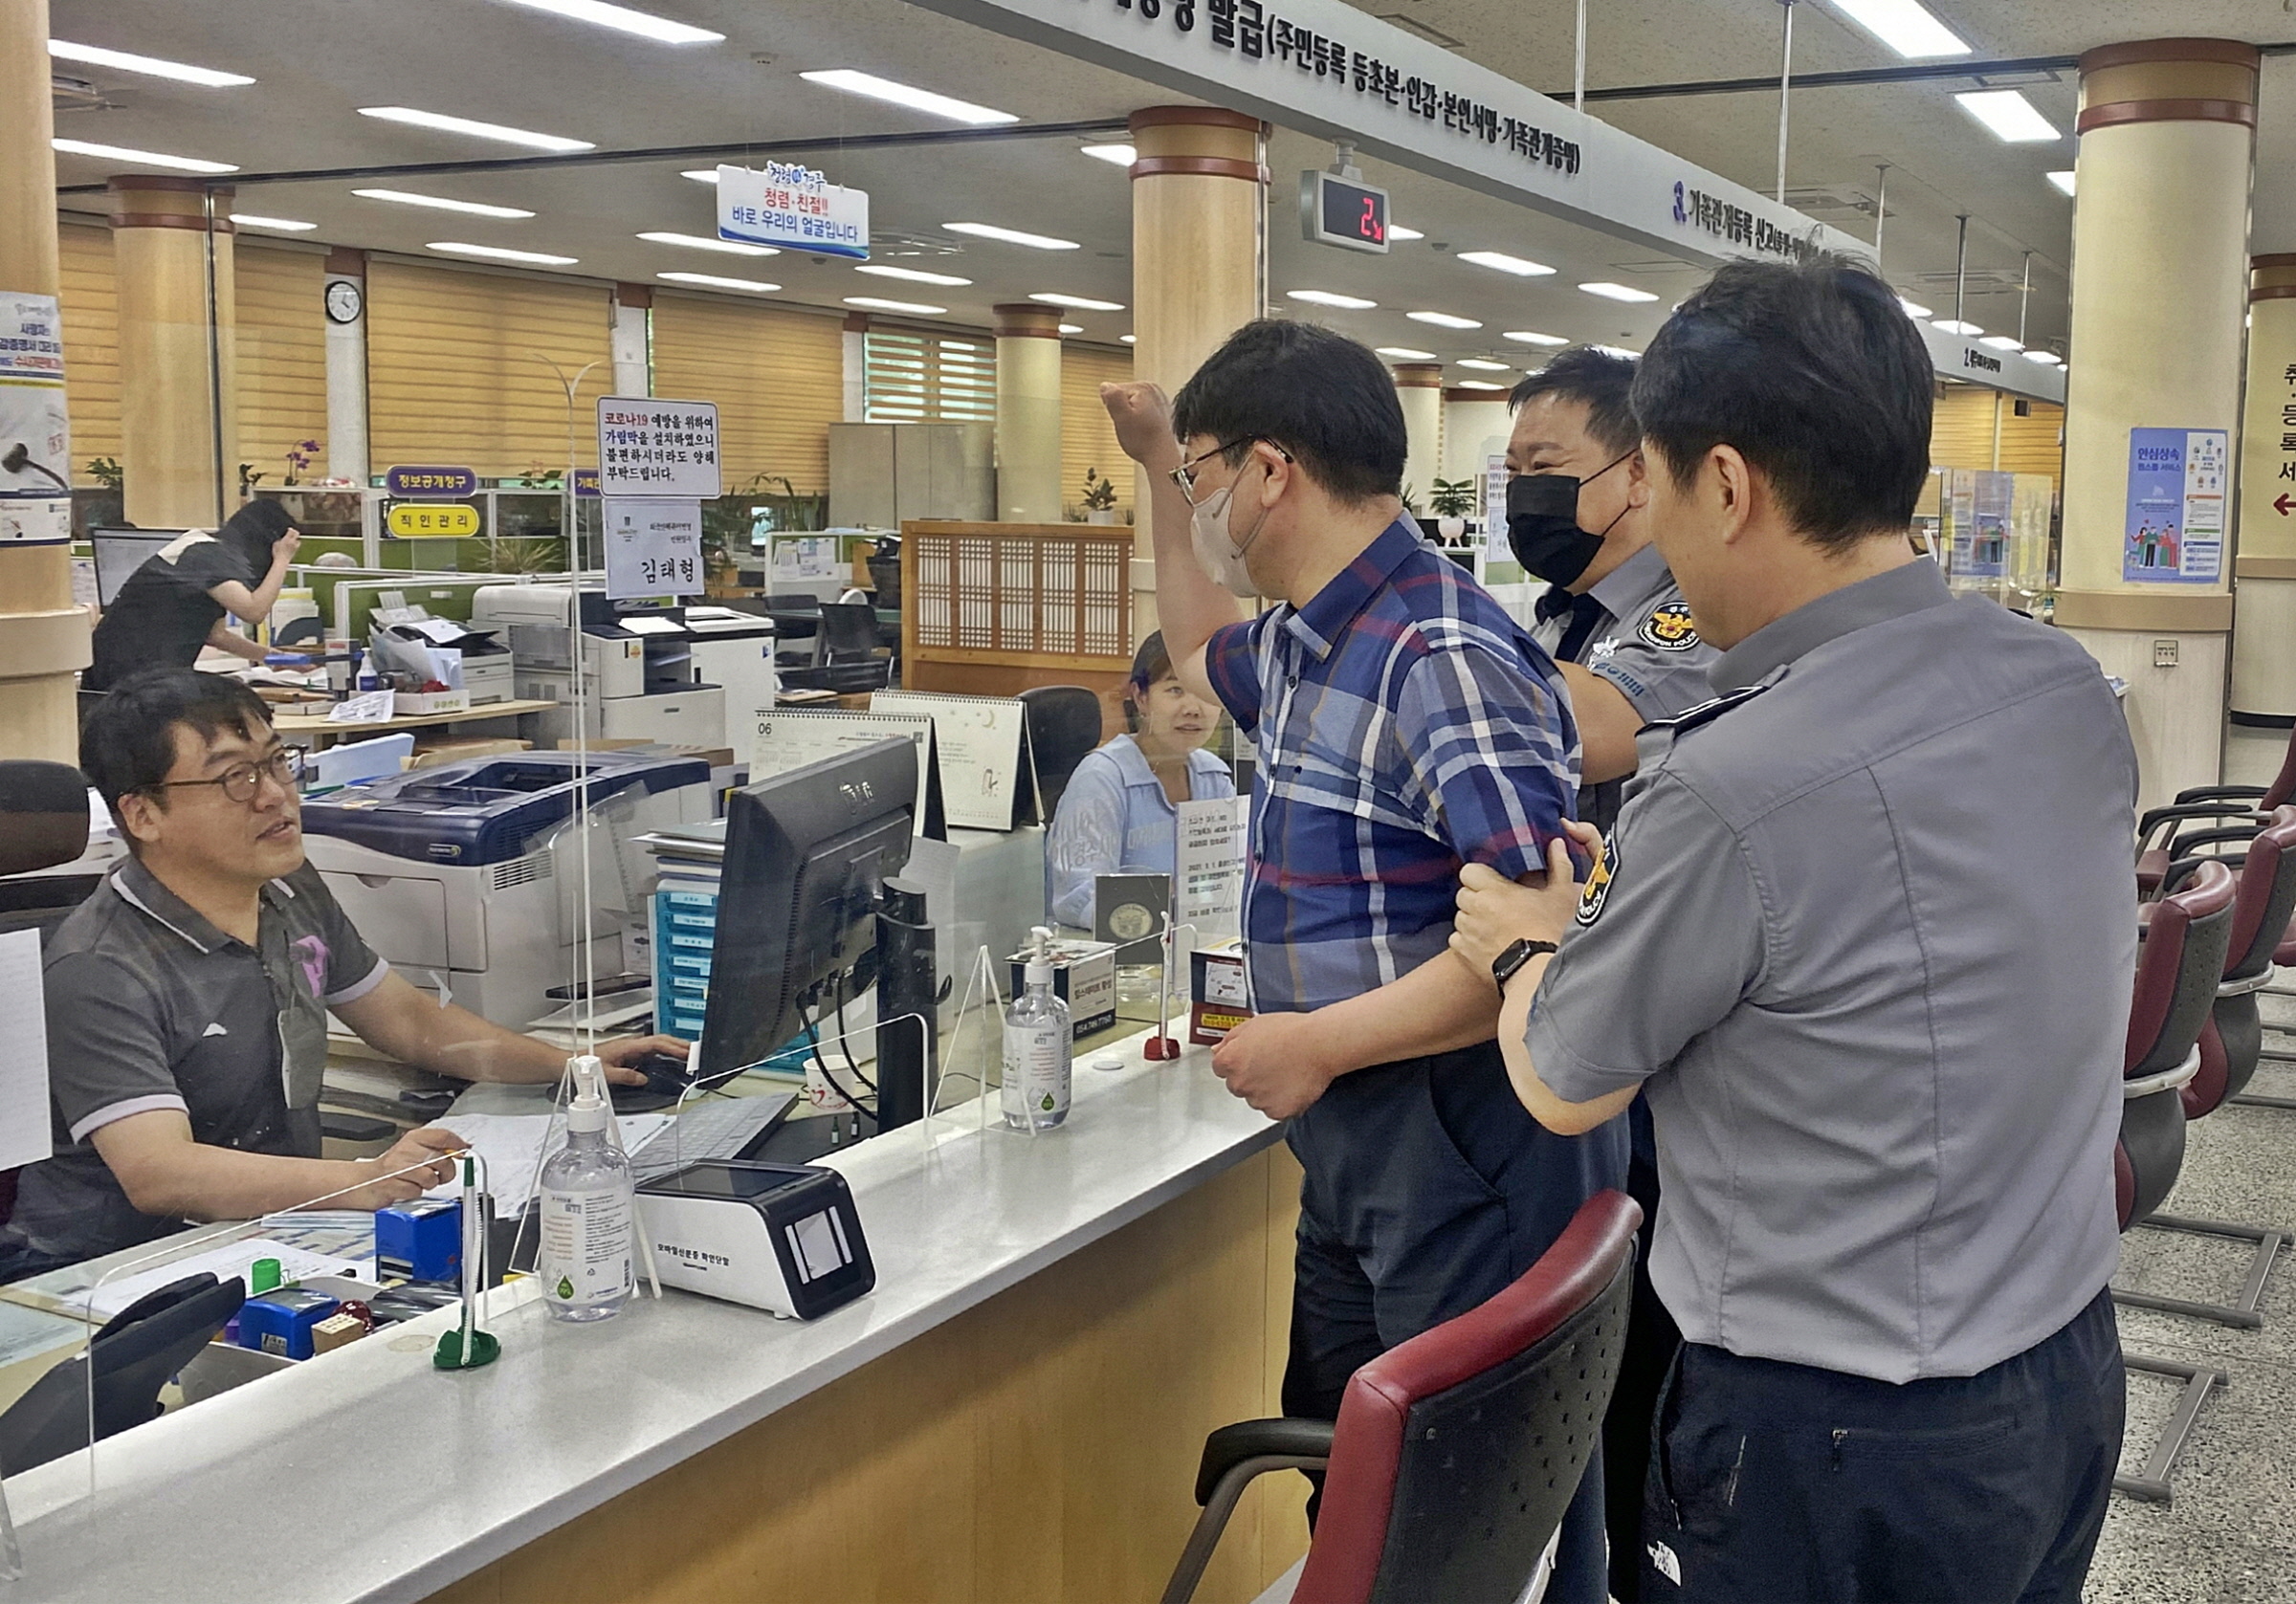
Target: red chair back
[2178,971]
[1457,1452]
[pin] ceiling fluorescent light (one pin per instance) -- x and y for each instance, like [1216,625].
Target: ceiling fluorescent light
[2009,116]
[712,281]
[286,225]
[1485,363]
[1914,308]
[703,242]
[700,175]
[1117,155]
[1443,320]
[2002,342]
[1503,263]
[913,275]
[141,158]
[497,253]
[1478,385]
[622,20]
[476,130]
[439,202]
[876,306]
[1129,339]
[1404,353]
[1012,236]
[1330,297]
[2047,359]
[1617,291]
[1072,329]
[903,95]
[1625,352]
[1955,325]
[1082,303]
[149,66]
[1905,26]
[2064,181]
[1396,230]
[1529,336]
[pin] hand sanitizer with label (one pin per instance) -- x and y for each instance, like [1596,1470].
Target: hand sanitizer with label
[1037,1047]
[586,1260]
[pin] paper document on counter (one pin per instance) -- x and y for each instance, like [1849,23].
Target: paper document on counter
[232,1259]
[512,1147]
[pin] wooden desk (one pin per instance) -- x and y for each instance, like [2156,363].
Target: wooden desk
[320,730]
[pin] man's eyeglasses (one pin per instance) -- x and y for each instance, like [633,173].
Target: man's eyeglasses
[1185,476]
[242,781]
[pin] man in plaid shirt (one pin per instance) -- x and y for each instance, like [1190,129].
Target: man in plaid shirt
[1406,726]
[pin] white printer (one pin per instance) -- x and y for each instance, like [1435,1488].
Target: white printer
[641,676]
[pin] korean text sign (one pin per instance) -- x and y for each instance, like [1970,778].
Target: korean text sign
[657,448]
[652,548]
[793,207]
[2174,532]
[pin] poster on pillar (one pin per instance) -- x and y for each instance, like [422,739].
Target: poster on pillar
[652,548]
[36,437]
[2175,529]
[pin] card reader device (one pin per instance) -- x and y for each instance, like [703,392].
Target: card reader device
[783,1238]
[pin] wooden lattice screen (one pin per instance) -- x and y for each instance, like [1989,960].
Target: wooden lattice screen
[1022,595]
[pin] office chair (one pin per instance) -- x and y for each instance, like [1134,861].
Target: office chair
[1064,724]
[796,617]
[2158,847]
[849,661]
[2178,972]
[1456,1453]
[43,822]
[138,1351]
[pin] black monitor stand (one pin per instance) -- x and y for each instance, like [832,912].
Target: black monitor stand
[908,987]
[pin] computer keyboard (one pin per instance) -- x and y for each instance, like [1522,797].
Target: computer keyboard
[709,1128]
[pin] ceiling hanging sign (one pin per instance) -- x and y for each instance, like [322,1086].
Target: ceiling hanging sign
[657,448]
[1955,356]
[36,436]
[792,207]
[1325,68]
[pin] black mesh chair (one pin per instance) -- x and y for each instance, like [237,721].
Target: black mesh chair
[796,617]
[43,822]
[1064,724]
[1456,1453]
[849,664]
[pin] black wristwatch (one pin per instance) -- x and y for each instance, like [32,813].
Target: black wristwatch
[1513,957]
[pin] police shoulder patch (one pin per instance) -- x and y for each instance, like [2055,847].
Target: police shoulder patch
[1668,627]
[1597,889]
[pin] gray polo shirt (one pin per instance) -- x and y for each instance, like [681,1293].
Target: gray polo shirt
[150,1006]
[1866,931]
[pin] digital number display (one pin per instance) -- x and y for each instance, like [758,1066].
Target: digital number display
[1342,211]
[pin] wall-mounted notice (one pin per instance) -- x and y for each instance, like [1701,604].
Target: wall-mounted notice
[36,437]
[2174,528]
[652,548]
[987,768]
[1208,866]
[657,448]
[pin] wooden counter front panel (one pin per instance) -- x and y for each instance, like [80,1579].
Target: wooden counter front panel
[1039,1449]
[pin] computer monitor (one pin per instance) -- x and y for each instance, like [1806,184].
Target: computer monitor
[806,854]
[120,552]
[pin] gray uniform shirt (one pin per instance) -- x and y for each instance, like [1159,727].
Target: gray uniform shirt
[1867,932]
[150,1006]
[1647,646]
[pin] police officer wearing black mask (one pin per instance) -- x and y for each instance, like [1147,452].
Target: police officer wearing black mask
[1578,516]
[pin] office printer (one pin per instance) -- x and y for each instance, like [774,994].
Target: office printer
[467,876]
[641,678]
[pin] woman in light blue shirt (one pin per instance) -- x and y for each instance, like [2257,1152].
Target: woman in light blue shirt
[1119,813]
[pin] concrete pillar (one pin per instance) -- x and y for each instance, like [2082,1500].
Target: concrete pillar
[2263,635]
[1474,430]
[1199,261]
[173,367]
[43,636]
[1029,487]
[1419,387]
[856,367]
[347,367]
[2160,255]
[629,339]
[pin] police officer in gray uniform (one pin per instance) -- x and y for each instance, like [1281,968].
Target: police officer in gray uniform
[1617,626]
[1615,621]
[1864,932]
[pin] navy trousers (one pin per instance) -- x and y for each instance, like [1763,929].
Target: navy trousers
[1781,1483]
[1429,1188]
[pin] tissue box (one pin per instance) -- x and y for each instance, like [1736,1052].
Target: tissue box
[1084,976]
[1219,998]
[410,704]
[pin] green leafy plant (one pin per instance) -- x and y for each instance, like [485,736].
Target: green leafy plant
[727,524]
[1100,493]
[538,478]
[106,471]
[525,553]
[1452,499]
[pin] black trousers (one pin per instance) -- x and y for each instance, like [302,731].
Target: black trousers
[1428,1188]
[1781,1483]
[1652,1339]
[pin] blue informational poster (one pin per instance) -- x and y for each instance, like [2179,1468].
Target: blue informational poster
[1986,556]
[2174,532]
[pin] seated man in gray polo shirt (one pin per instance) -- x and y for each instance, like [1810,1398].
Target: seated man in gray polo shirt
[1864,932]
[187,998]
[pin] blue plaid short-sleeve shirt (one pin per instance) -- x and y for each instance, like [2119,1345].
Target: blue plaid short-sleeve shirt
[1406,726]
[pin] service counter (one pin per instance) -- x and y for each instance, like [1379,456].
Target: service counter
[1013,1415]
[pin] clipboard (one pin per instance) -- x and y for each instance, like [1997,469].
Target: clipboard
[791,738]
[988,769]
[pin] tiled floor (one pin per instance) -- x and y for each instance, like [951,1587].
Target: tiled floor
[2230,1533]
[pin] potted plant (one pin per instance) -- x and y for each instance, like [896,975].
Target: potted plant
[103,505]
[1451,501]
[1099,497]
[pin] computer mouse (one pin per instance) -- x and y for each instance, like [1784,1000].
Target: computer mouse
[665,1084]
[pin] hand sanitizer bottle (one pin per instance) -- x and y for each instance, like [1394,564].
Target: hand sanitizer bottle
[586,1262]
[1038,1044]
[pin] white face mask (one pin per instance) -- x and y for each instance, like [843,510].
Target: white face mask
[1217,552]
